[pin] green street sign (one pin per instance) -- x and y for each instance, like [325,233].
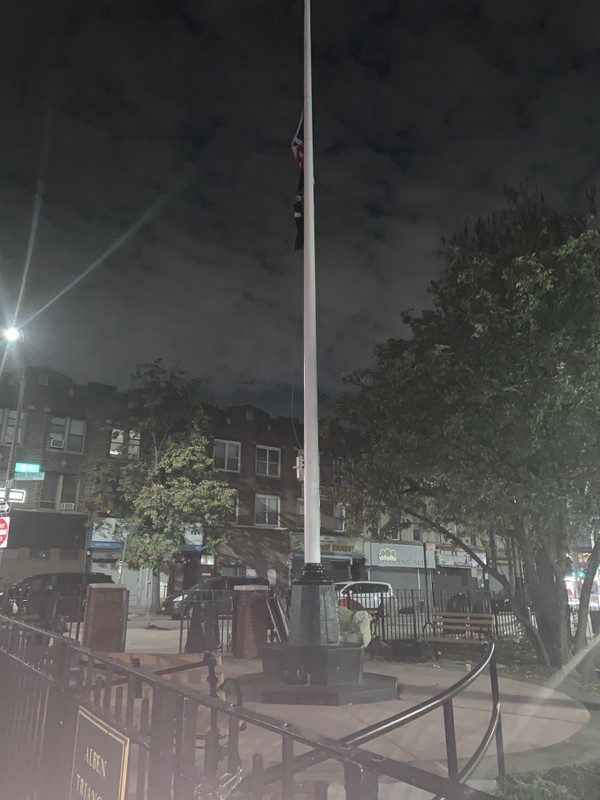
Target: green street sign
[30,476]
[21,467]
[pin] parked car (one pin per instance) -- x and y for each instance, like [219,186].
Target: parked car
[359,595]
[69,588]
[220,586]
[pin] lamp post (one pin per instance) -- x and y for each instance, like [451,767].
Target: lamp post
[11,336]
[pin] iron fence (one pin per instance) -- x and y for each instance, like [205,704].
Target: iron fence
[182,744]
[206,621]
[407,614]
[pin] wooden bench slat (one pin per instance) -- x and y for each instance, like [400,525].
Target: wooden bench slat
[456,626]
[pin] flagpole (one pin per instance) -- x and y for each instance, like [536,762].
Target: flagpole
[312,511]
[313,666]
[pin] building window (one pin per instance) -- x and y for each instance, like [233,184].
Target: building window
[59,492]
[234,502]
[416,530]
[339,517]
[300,513]
[473,541]
[393,532]
[268,460]
[226,455]
[266,511]
[125,443]
[8,418]
[66,434]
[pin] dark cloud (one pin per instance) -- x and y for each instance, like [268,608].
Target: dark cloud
[424,111]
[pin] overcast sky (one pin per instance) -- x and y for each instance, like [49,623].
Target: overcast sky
[423,111]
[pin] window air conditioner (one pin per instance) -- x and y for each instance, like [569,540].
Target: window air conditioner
[57,444]
[67,506]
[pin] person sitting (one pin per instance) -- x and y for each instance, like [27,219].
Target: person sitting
[355,627]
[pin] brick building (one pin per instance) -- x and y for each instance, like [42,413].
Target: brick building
[258,456]
[64,429]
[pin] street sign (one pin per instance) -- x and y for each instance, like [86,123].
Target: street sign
[15,495]
[4,524]
[30,476]
[22,467]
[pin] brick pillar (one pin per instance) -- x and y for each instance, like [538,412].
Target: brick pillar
[250,620]
[105,617]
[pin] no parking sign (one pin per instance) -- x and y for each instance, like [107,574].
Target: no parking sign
[4,523]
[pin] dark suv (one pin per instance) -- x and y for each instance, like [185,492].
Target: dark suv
[218,589]
[68,589]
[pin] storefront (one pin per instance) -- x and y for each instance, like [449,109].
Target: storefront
[342,557]
[456,570]
[107,549]
[404,566]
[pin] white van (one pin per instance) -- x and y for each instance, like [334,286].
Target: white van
[357,595]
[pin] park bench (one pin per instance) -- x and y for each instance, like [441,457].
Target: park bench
[458,627]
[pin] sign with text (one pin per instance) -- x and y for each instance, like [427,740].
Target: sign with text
[4,526]
[14,495]
[99,761]
[404,556]
[30,476]
[457,558]
[20,466]
[331,545]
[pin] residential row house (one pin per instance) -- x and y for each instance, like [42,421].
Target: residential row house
[66,430]
[62,435]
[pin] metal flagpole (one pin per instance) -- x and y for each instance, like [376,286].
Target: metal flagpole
[312,512]
[313,666]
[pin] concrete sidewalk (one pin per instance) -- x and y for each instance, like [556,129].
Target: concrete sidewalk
[532,717]
[541,727]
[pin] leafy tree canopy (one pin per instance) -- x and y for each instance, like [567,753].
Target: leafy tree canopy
[488,414]
[171,488]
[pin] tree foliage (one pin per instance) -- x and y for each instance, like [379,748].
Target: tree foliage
[488,414]
[171,488]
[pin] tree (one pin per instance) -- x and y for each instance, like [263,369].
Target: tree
[171,488]
[488,413]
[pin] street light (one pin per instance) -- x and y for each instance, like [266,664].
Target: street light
[12,335]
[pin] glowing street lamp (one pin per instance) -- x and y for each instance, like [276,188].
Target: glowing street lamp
[12,334]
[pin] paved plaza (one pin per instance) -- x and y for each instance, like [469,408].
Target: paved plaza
[538,723]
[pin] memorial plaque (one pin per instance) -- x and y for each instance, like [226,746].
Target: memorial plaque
[100,760]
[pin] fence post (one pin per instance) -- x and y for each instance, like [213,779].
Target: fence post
[496,701]
[258,777]
[360,784]
[414,614]
[450,736]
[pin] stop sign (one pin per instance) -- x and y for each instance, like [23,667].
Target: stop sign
[4,523]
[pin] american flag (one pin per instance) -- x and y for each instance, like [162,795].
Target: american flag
[298,143]
[298,151]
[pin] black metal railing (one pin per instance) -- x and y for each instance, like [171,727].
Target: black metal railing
[406,613]
[184,744]
[206,621]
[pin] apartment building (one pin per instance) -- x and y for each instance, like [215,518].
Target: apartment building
[259,456]
[64,429]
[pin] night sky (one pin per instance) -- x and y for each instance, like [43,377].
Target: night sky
[423,112]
